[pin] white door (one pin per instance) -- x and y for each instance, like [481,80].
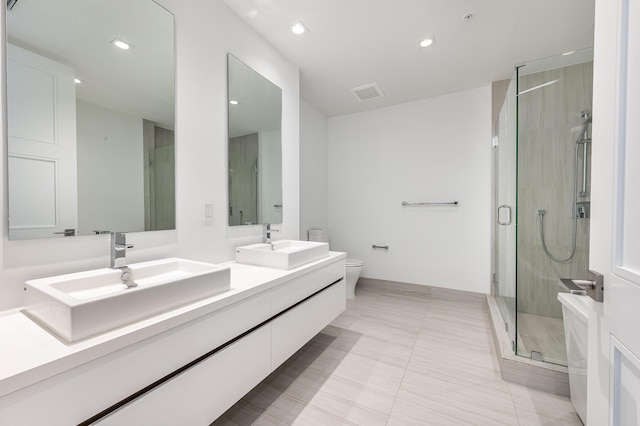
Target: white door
[614,329]
[42,172]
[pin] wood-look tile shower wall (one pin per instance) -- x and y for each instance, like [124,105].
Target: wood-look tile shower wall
[549,124]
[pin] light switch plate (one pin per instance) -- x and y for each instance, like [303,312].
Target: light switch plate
[207,212]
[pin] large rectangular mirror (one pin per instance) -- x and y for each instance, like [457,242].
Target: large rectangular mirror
[255,147]
[90,117]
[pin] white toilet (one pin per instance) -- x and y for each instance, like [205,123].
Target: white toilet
[575,314]
[354,266]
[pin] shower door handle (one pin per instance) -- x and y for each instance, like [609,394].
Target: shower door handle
[507,209]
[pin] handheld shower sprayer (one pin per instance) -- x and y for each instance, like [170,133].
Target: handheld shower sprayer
[586,121]
[579,208]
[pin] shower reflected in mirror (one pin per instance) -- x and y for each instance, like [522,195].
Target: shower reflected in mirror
[254,147]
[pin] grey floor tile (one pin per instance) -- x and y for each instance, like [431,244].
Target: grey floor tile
[365,395]
[487,404]
[242,413]
[406,320]
[290,411]
[406,413]
[377,349]
[385,332]
[347,318]
[399,355]
[346,406]
[537,407]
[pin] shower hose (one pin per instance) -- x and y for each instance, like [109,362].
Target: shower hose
[574,222]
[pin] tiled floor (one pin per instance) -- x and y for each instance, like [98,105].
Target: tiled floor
[399,357]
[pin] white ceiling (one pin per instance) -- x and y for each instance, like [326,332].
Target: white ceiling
[352,43]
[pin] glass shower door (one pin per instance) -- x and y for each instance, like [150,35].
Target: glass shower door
[553,185]
[505,161]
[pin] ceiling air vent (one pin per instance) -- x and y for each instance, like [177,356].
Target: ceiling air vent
[367,92]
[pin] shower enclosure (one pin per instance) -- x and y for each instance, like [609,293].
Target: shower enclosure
[542,157]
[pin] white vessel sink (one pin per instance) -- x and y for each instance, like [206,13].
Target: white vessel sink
[282,254]
[75,306]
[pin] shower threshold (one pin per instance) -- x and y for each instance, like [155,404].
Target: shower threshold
[539,375]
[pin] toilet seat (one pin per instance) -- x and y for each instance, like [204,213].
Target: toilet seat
[353,263]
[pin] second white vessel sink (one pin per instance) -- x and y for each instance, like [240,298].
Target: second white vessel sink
[79,305]
[282,254]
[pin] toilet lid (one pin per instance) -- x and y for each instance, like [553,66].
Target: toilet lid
[354,262]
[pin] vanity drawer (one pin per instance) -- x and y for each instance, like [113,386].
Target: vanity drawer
[302,287]
[202,393]
[294,328]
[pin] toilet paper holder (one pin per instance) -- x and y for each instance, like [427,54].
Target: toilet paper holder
[384,247]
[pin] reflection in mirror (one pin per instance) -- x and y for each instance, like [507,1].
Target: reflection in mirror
[90,126]
[255,147]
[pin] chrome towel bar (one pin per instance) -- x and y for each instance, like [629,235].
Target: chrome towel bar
[433,203]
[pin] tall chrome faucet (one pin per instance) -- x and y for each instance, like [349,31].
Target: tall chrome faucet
[266,233]
[119,249]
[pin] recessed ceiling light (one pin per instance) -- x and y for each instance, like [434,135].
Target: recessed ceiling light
[234,102]
[569,53]
[298,28]
[427,41]
[121,44]
[77,80]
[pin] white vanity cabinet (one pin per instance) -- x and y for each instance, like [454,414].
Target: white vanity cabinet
[291,330]
[203,392]
[82,392]
[194,372]
[200,394]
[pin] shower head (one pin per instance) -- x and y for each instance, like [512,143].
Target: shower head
[586,121]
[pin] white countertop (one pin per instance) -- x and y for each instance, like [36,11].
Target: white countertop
[30,353]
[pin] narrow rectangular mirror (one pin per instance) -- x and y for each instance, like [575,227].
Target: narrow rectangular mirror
[254,147]
[90,117]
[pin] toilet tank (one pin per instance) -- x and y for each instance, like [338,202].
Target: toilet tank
[318,234]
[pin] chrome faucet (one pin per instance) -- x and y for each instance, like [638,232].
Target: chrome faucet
[119,248]
[266,234]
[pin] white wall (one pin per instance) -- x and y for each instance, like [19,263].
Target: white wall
[110,159]
[437,149]
[313,169]
[205,32]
